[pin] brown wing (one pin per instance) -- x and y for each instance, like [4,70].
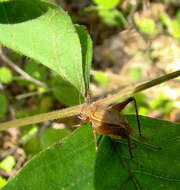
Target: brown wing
[111,123]
[113,130]
[109,116]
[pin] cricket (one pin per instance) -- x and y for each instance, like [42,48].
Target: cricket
[110,122]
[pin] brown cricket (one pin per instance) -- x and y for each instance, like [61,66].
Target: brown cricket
[108,121]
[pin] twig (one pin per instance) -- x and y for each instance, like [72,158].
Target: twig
[134,25]
[29,94]
[140,87]
[4,173]
[67,112]
[19,70]
[75,110]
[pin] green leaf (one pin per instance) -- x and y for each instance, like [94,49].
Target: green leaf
[2,182]
[162,102]
[165,19]
[86,48]
[5,75]
[51,136]
[76,165]
[35,70]
[101,78]
[46,104]
[135,73]
[8,163]
[43,31]
[28,132]
[3,103]
[107,3]
[173,26]
[14,56]
[147,25]
[47,138]
[176,29]
[65,93]
[32,147]
[5,0]
[112,17]
[178,16]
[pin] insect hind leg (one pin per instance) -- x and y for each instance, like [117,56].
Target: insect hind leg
[129,147]
[119,107]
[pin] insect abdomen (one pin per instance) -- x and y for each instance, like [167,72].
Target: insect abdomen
[113,130]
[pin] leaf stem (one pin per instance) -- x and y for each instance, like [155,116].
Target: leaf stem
[75,110]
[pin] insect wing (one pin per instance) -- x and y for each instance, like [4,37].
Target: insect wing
[108,116]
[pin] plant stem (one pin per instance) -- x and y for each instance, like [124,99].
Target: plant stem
[129,91]
[58,114]
[75,110]
[29,94]
[25,75]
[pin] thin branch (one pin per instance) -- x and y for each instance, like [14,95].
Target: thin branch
[67,112]
[29,94]
[75,110]
[133,25]
[140,87]
[19,70]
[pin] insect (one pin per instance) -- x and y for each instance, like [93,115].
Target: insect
[108,121]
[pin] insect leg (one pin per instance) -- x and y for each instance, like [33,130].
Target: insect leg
[124,162]
[122,105]
[146,144]
[129,147]
[95,138]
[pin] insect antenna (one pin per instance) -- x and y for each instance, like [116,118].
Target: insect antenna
[137,116]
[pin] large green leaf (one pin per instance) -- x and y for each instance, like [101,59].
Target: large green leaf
[86,48]
[65,93]
[157,169]
[43,31]
[74,164]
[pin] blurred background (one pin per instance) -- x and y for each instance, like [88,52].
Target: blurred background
[133,41]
